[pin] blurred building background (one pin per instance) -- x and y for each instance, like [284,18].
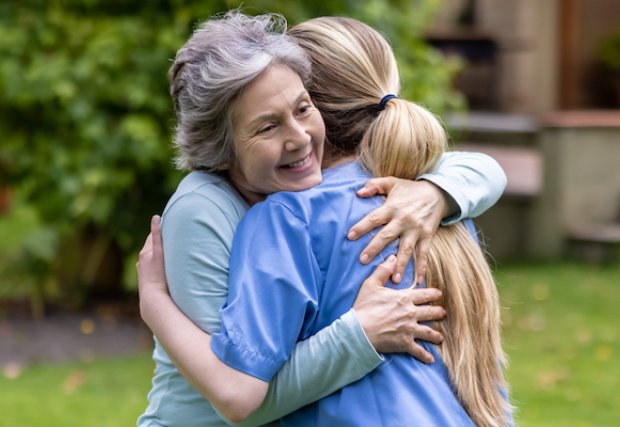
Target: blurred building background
[86,121]
[542,80]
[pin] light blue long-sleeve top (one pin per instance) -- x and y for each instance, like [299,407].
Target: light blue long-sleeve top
[198,225]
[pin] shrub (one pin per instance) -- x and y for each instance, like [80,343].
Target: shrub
[87,120]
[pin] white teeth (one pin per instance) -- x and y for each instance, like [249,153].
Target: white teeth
[299,163]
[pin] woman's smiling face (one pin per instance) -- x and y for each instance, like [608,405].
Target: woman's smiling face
[278,136]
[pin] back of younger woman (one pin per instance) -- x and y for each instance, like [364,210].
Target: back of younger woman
[306,233]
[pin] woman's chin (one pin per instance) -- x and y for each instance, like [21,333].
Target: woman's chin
[311,181]
[305,184]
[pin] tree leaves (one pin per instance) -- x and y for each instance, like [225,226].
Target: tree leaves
[87,121]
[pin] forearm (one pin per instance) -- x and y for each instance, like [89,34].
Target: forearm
[233,393]
[473,181]
[333,358]
[344,351]
[450,208]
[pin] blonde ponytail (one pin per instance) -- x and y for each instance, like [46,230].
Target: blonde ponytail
[472,348]
[405,141]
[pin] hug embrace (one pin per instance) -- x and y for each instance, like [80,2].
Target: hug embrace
[284,286]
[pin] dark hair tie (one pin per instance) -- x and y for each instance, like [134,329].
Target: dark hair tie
[385,100]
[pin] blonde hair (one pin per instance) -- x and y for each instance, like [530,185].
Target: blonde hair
[353,67]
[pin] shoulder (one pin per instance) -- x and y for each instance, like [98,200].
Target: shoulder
[310,212]
[338,183]
[206,195]
[203,214]
[335,194]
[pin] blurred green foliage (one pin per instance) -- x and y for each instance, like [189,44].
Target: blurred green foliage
[86,121]
[609,51]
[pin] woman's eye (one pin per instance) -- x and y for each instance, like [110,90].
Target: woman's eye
[267,128]
[304,108]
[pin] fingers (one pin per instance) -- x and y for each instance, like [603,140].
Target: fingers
[421,260]
[148,243]
[421,296]
[376,186]
[371,221]
[417,351]
[382,273]
[156,232]
[153,243]
[147,248]
[384,237]
[155,225]
[426,333]
[430,312]
[378,216]
[406,247]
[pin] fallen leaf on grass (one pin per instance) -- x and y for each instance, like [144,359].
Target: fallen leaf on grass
[74,381]
[540,291]
[603,352]
[87,326]
[549,379]
[13,370]
[584,336]
[533,322]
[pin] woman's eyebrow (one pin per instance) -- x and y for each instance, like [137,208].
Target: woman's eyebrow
[272,115]
[262,118]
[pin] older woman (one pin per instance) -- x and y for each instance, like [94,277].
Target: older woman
[245,118]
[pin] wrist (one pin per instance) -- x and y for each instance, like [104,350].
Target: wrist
[445,203]
[151,301]
[366,326]
[357,331]
[448,204]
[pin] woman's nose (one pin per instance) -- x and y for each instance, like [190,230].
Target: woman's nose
[298,137]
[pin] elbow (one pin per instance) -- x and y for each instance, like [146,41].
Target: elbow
[234,394]
[502,180]
[238,403]
[495,176]
[236,417]
[237,408]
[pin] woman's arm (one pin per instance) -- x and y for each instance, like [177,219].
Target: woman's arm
[199,227]
[333,358]
[463,185]
[218,383]
[474,181]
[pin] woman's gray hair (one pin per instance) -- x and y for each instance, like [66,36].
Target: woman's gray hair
[223,56]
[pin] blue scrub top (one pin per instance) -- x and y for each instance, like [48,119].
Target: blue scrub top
[293,272]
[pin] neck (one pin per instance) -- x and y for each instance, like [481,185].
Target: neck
[341,160]
[250,197]
[332,158]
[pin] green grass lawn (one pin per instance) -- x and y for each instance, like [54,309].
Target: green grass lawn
[560,329]
[561,334]
[106,393]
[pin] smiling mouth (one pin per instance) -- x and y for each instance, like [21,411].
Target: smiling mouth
[297,164]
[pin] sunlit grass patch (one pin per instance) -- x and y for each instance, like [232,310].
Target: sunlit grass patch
[100,393]
[561,333]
